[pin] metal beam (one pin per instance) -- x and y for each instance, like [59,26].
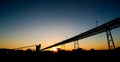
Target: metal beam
[25,47]
[97,30]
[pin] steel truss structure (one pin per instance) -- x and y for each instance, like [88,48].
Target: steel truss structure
[97,30]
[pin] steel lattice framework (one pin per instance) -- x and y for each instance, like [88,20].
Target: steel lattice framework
[97,30]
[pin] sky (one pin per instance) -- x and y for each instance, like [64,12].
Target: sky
[46,22]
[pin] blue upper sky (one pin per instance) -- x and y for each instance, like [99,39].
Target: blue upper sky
[26,21]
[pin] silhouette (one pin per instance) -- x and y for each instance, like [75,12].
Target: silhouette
[107,27]
[11,55]
[38,48]
[76,55]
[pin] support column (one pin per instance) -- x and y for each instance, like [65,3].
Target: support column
[110,40]
[76,44]
[63,46]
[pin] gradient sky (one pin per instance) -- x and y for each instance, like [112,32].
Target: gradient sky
[30,22]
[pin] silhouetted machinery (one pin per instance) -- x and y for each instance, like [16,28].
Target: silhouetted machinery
[37,47]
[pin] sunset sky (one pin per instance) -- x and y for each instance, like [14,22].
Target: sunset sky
[46,22]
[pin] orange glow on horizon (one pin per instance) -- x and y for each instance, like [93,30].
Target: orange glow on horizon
[54,49]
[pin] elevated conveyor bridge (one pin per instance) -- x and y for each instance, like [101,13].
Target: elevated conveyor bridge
[97,30]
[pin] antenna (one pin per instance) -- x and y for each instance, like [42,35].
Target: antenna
[96,23]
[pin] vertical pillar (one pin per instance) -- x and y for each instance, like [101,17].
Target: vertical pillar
[110,40]
[76,44]
[63,46]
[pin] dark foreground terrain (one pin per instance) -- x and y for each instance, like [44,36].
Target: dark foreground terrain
[7,55]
